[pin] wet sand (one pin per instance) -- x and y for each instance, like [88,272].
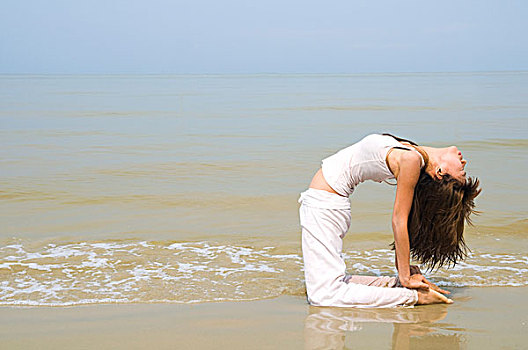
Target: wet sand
[481,318]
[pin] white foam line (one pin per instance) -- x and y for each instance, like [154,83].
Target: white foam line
[193,263]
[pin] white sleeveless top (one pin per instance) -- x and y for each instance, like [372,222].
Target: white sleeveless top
[364,160]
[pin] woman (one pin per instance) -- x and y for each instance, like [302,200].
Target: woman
[433,200]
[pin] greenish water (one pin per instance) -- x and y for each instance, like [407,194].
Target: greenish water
[184,188]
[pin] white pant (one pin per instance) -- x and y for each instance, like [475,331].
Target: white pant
[325,219]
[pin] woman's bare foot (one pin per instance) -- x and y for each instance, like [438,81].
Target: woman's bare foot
[430,296]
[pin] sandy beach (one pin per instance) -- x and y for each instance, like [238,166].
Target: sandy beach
[480,318]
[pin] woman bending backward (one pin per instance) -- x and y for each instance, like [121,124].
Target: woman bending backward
[433,201]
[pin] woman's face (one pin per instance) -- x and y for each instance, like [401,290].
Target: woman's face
[453,163]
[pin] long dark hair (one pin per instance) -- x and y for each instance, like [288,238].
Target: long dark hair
[439,211]
[436,221]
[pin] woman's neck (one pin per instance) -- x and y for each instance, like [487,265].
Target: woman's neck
[434,155]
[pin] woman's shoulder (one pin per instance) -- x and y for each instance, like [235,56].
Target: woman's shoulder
[411,159]
[406,166]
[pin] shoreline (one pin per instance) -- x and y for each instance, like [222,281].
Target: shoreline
[487,317]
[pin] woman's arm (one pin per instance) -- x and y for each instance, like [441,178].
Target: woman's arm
[407,177]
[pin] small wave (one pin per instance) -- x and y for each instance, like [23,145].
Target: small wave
[404,108]
[191,272]
[480,269]
[126,272]
[513,144]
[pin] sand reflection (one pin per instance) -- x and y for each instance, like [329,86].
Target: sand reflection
[339,328]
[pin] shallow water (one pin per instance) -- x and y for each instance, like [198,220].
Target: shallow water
[184,188]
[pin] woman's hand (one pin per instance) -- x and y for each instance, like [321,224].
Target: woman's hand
[418,281]
[415,282]
[415,270]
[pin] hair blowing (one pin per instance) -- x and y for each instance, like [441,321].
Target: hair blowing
[438,214]
[436,221]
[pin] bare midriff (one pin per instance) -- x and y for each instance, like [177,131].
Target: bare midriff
[319,183]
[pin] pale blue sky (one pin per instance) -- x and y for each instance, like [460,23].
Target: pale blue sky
[267,36]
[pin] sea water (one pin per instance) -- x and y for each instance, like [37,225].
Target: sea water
[184,188]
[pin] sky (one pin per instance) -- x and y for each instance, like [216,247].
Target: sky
[266,36]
